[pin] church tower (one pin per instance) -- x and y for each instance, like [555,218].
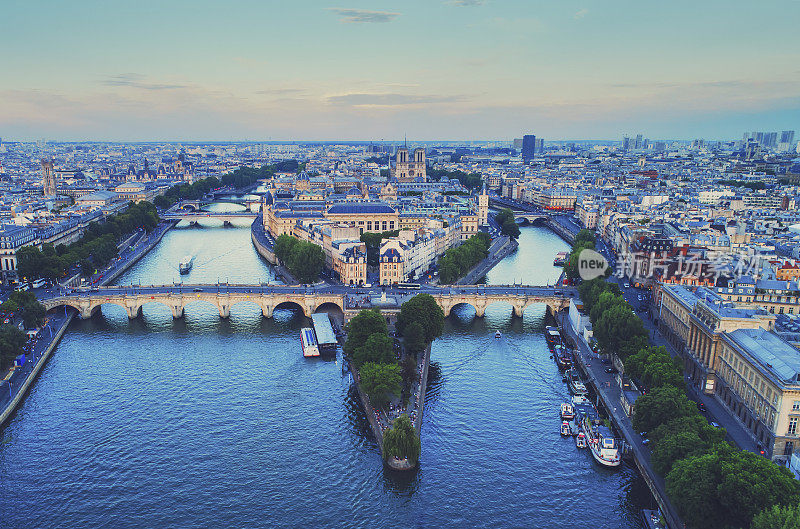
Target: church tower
[483,207]
[48,177]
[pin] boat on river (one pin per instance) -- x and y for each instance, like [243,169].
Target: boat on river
[567,411]
[309,342]
[580,440]
[497,334]
[566,429]
[575,384]
[186,264]
[599,438]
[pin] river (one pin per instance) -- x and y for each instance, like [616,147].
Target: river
[206,422]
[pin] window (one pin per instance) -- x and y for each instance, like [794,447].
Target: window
[796,405]
[792,426]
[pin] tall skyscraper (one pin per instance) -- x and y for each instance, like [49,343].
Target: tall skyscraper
[787,141]
[638,142]
[48,177]
[528,148]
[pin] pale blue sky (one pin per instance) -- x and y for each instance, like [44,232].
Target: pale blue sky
[428,69]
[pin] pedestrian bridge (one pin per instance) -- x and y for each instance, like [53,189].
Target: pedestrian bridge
[309,299]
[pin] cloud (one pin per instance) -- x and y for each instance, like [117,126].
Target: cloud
[281,91]
[388,100]
[363,16]
[581,13]
[135,80]
[465,3]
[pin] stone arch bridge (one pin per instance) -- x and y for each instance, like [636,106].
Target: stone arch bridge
[309,299]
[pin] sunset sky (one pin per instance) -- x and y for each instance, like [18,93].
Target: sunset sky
[371,70]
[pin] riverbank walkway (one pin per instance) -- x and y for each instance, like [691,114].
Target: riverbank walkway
[609,391]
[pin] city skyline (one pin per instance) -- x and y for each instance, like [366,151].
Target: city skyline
[449,70]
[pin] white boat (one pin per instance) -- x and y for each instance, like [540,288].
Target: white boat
[576,385]
[186,264]
[580,399]
[308,342]
[567,411]
[603,446]
[497,334]
[566,429]
[580,440]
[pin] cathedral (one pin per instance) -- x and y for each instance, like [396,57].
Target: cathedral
[405,170]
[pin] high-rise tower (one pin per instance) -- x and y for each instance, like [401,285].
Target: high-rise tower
[528,148]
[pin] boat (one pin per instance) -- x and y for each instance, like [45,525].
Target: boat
[599,439]
[562,356]
[567,411]
[604,447]
[566,429]
[580,440]
[553,338]
[575,384]
[580,399]
[186,264]
[497,334]
[308,342]
[326,341]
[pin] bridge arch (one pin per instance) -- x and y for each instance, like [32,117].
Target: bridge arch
[463,309]
[290,305]
[329,304]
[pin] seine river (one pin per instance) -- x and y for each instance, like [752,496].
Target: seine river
[202,422]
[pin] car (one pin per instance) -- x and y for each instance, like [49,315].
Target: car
[197,289]
[715,425]
[611,370]
[627,285]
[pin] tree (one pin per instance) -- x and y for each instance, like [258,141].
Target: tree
[660,406]
[284,245]
[508,225]
[674,447]
[361,327]
[12,340]
[31,311]
[458,261]
[585,238]
[655,367]
[777,517]
[423,310]
[408,370]
[726,487]
[306,261]
[401,441]
[414,337]
[380,381]
[378,348]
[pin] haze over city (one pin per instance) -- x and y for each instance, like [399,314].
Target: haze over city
[428,69]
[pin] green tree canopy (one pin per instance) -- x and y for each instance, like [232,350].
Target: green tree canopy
[655,367]
[378,348]
[584,238]
[361,327]
[459,260]
[727,487]
[12,340]
[402,441]
[508,225]
[306,262]
[661,406]
[414,337]
[777,517]
[380,381]
[423,310]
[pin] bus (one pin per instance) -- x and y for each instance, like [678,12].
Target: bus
[410,286]
[39,283]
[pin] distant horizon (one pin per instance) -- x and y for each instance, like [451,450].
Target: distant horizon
[365,142]
[388,69]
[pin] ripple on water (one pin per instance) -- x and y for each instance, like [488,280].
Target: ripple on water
[205,422]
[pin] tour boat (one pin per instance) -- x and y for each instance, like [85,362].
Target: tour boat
[566,429]
[309,342]
[552,336]
[580,440]
[497,334]
[186,264]
[567,411]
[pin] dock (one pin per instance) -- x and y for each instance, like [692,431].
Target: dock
[610,394]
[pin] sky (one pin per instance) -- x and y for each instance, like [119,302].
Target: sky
[141,70]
